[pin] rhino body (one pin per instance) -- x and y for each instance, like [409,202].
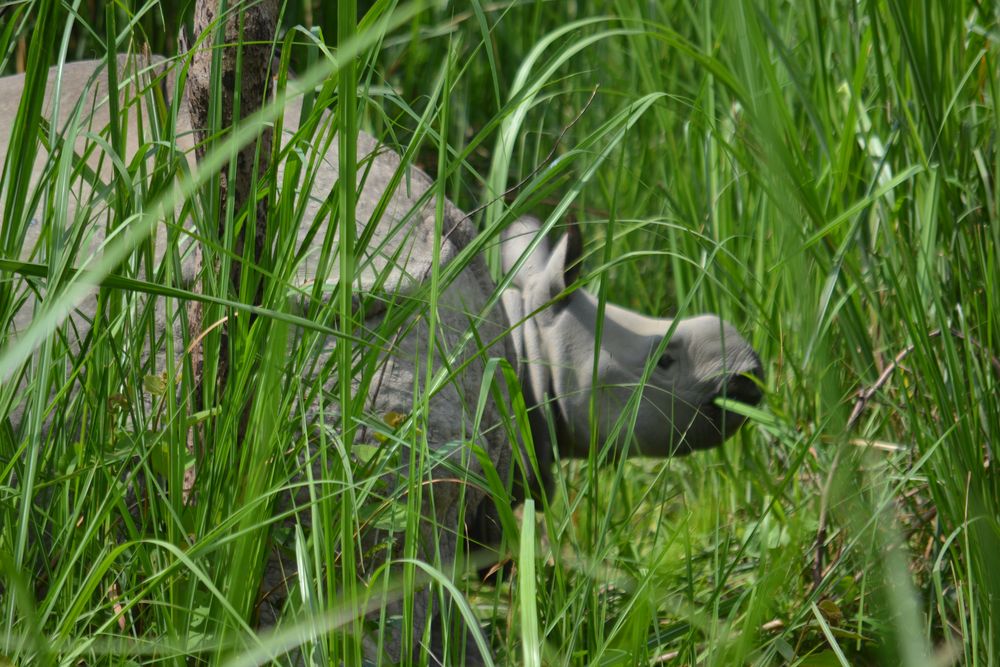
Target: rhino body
[551,337]
[391,273]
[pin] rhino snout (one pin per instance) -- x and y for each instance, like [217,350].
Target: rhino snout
[744,387]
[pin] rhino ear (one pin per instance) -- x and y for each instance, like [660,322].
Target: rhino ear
[574,253]
[563,267]
[514,243]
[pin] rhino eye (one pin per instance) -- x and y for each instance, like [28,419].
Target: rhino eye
[665,362]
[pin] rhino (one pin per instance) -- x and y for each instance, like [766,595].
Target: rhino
[649,385]
[676,368]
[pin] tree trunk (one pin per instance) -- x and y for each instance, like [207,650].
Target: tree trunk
[247,36]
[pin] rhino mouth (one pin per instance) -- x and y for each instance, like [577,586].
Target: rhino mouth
[744,388]
[727,421]
[711,426]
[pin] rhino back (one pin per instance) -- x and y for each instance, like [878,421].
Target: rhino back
[398,256]
[392,267]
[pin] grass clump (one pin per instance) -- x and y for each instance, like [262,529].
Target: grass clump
[820,174]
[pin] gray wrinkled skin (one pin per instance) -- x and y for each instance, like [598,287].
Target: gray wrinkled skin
[395,265]
[704,359]
[552,344]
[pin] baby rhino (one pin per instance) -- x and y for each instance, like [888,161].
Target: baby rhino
[654,388]
[648,386]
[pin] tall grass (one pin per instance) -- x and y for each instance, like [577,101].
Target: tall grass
[822,174]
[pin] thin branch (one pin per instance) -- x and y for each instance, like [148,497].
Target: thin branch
[542,164]
[865,395]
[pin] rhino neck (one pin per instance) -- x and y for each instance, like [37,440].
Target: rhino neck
[546,414]
[557,352]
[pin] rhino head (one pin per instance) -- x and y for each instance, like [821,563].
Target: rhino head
[651,396]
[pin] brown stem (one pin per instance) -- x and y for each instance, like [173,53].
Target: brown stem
[865,395]
[247,37]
